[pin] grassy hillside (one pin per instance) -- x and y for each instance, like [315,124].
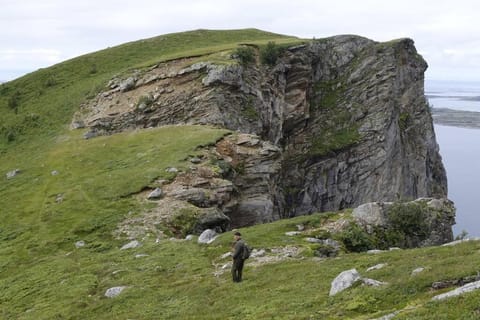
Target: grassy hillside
[43,102]
[175,279]
[70,189]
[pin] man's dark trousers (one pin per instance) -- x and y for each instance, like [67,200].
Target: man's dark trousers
[237,268]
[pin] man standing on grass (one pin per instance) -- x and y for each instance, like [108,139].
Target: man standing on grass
[238,249]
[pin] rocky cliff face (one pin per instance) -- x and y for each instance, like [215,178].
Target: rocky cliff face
[333,124]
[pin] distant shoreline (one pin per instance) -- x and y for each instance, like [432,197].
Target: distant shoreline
[461,98]
[456,118]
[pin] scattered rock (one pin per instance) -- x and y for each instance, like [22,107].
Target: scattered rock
[189,237]
[127,84]
[155,194]
[372,282]
[89,135]
[13,173]
[459,291]
[171,170]
[348,278]
[226,255]
[195,160]
[141,255]
[257,253]
[377,267]
[78,124]
[300,227]
[417,271]
[292,233]
[344,280]
[313,240]
[286,252]
[80,244]
[455,282]
[333,243]
[388,316]
[54,173]
[59,198]
[375,251]
[114,291]
[207,236]
[131,245]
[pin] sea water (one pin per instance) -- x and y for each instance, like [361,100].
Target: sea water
[460,151]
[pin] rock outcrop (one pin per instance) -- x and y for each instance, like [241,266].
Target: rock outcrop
[431,225]
[335,123]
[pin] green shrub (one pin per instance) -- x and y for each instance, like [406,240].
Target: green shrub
[145,101]
[50,82]
[408,220]
[245,55]
[356,239]
[14,101]
[183,221]
[404,120]
[270,53]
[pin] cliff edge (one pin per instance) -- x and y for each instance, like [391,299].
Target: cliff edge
[330,124]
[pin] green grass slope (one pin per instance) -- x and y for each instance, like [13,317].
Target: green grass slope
[174,279]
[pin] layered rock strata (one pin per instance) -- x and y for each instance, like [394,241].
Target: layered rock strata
[339,122]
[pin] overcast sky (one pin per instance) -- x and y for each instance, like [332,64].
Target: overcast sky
[38,33]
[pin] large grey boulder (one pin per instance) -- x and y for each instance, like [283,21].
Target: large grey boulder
[131,245]
[370,214]
[155,194]
[207,236]
[344,280]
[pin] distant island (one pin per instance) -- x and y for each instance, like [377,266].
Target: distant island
[456,118]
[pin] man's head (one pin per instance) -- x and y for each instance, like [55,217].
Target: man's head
[237,235]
